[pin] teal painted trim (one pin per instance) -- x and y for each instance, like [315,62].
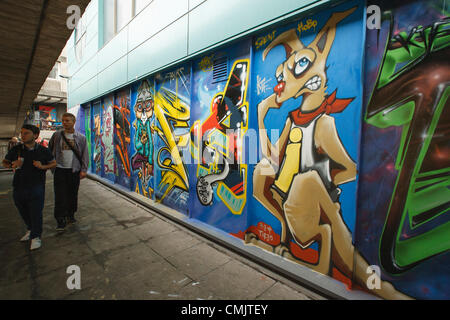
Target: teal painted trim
[315,5]
[100,24]
[225,19]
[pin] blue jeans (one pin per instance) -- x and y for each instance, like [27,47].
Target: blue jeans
[30,202]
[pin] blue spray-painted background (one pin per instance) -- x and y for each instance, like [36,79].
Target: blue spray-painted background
[344,65]
[206,85]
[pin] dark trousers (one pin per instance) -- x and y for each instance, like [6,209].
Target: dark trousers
[66,184]
[30,202]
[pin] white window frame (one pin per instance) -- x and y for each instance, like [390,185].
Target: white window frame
[133,14]
[80,42]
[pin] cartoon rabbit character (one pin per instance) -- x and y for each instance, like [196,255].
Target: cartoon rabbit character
[298,177]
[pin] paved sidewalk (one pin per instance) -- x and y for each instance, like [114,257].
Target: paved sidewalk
[124,251]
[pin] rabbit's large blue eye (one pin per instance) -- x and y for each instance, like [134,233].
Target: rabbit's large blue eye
[301,65]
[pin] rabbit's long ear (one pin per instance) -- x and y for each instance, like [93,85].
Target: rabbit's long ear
[324,39]
[289,40]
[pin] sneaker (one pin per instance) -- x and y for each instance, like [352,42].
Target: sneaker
[35,243]
[61,225]
[71,220]
[26,237]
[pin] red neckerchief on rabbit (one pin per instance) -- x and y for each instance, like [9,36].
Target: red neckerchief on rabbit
[329,105]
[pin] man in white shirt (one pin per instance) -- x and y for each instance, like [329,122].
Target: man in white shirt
[71,153]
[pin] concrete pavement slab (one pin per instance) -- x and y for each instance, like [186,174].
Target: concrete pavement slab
[123,262]
[235,280]
[44,260]
[14,270]
[13,249]
[52,285]
[110,238]
[172,243]
[101,291]
[17,290]
[157,281]
[281,292]
[151,229]
[197,290]
[198,260]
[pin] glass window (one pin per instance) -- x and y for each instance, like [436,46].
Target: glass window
[123,13]
[54,73]
[109,20]
[80,39]
[117,14]
[139,5]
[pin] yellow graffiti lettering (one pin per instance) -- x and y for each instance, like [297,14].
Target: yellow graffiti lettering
[169,107]
[144,192]
[265,39]
[206,64]
[308,25]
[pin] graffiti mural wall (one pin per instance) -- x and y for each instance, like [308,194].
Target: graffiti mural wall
[80,119]
[107,134]
[172,123]
[316,140]
[304,186]
[142,143]
[88,132]
[219,116]
[97,144]
[404,207]
[122,138]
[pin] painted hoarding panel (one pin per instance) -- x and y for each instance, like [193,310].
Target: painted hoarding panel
[122,138]
[142,138]
[304,187]
[219,116]
[79,123]
[88,132]
[108,137]
[97,144]
[172,124]
[404,208]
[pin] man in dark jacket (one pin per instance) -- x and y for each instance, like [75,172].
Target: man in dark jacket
[30,162]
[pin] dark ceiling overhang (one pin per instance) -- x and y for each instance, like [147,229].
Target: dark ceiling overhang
[32,36]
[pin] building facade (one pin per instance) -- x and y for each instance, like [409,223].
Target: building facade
[51,101]
[313,134]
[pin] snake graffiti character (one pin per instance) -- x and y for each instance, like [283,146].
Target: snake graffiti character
[297,178]
[143,142]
